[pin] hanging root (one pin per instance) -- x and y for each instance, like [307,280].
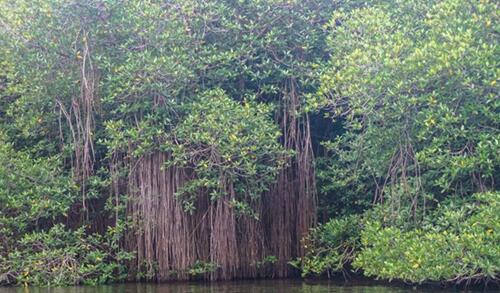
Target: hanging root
[81,123]
[170,242]
[291,202]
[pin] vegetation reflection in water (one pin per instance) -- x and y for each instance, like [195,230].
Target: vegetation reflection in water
[279,286]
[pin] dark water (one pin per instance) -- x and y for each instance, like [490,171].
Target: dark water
[264,286]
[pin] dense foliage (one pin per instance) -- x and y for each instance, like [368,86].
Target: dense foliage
[108,107]
[331,247]
[65,257]
[224,140]
[33,191]
[415,85]
[96,89]
[455,244]
[417,91]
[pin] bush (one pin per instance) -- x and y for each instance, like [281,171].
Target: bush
[34,192]
[226,142]
[65,257]
[453,245]
[462,246]
[330,248]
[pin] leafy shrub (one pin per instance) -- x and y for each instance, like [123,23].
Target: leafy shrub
[453,245]
[224,142]
[330,247]
[33,192]
[200,268]
[65,257]
[417,95]
[463,246]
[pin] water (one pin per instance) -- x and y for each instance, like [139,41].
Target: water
[260,286]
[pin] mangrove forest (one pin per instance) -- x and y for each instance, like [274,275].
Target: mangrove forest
[182,140]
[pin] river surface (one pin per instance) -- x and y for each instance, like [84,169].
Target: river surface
[260,286]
